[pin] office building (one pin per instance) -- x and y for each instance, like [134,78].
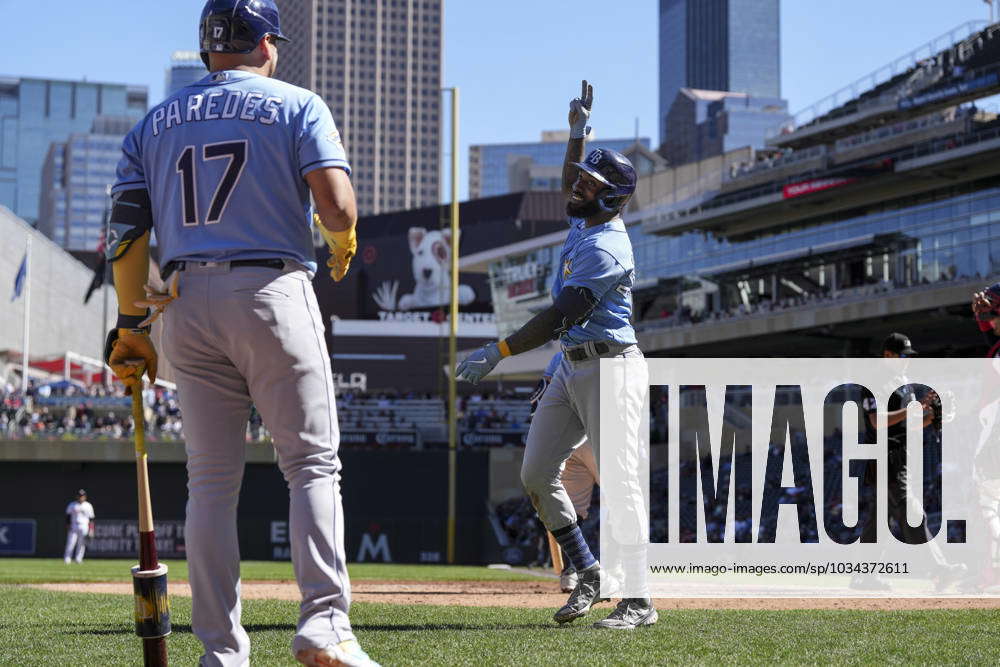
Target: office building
[186,67]
[728,45]
[496,169]
[704,123]
[34,113]
[75,178]
[378,66]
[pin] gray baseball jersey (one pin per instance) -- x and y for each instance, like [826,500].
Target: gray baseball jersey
[224,162]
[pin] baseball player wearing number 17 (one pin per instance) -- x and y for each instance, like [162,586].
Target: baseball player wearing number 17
[590,316]
[223,171]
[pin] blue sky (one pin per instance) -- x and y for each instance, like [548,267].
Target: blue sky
[517,63]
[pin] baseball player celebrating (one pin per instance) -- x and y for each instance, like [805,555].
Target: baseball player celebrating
[223,171]
[591,318]
[79,524]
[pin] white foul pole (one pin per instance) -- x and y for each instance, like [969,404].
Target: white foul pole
[27,316]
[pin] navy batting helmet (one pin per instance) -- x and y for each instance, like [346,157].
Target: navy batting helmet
[613,170]
[237,26]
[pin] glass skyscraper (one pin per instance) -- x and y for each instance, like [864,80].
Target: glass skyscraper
[75,176]
[497,169]
[34,113]
[705,123]
[727,45]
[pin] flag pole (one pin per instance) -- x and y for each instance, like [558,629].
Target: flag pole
[27,317]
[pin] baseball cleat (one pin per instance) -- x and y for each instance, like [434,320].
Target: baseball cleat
[344,654]
[629,614]
[586,593]
[567,579]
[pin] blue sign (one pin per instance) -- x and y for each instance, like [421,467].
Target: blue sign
[17,537]
[952,90]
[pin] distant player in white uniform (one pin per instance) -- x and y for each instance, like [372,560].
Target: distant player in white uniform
[223,170]
[591,317]
[79,525]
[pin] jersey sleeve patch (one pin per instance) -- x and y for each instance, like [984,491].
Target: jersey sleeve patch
[593,268]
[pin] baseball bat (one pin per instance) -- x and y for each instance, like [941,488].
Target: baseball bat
[557,561]
[149,578]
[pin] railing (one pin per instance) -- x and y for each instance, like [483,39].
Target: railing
[871,81]
[918,150]
[839,298]
[790,158]
[896,129]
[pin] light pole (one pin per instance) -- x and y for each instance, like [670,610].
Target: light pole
[453,333]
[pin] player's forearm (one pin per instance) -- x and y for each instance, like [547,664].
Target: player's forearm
[334,198]
[336,219]
[539,330]
[131,271]
[574,153]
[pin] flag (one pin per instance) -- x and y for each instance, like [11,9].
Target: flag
[99,270]
[22,273]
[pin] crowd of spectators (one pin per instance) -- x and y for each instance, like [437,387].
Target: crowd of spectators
[73,411]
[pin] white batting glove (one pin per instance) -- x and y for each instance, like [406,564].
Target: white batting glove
[478,364]
[579,112]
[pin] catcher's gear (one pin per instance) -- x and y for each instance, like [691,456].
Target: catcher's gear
[158,301]
[536,395]
[129,352]
[343,247]
[237,26]
[617,174]
[131,217]
[478,364]
[579,112]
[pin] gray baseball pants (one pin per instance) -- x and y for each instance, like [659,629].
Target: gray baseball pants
[254,334]
[569,412]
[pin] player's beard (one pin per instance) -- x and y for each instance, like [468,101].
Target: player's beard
[583,209]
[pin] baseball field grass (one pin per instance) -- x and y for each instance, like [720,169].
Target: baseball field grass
[45,627]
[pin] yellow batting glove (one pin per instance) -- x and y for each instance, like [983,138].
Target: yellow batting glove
[343,247]
[129,352]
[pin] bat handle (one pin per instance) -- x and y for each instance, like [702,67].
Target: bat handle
[154,652]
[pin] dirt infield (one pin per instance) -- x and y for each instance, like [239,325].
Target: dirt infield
[540,594]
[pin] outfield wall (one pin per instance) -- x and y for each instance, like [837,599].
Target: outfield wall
[395,501]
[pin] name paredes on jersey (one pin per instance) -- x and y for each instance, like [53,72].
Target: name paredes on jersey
[250,106]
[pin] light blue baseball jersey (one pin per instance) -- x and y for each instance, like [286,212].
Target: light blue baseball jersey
[600,259]
[554,362]
[224,162]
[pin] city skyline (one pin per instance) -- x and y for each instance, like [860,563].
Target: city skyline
[509,95]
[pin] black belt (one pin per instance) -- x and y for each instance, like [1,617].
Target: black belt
[273,263]
[580,353]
